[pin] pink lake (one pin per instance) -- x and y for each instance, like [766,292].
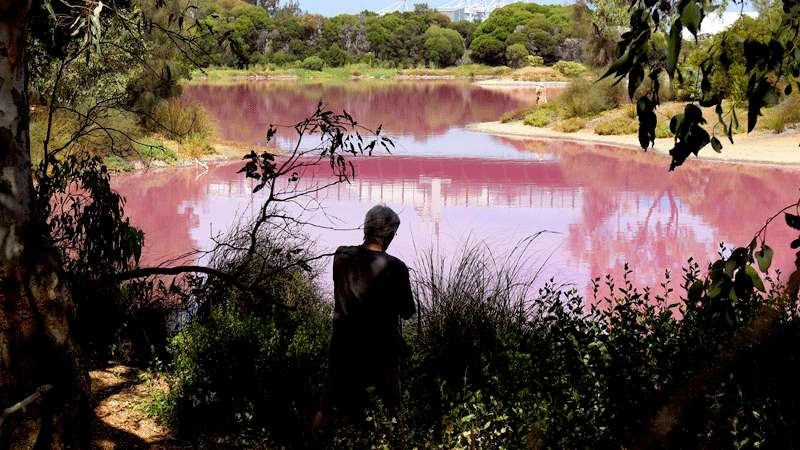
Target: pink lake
[604,205]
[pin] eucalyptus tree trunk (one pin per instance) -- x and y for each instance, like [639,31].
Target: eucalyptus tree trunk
[36,343]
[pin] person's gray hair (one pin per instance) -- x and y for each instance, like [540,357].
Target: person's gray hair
[380,225]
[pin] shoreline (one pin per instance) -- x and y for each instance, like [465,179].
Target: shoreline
[783,148]
[502,82]
[223,153]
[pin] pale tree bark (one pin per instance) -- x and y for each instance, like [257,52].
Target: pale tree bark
[36,342]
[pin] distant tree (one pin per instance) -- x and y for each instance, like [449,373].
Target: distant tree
[465,28]
[488,49]
[539,27]
[335,56]
[443,47]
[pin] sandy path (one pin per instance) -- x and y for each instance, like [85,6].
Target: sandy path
[119,393]
[776,149]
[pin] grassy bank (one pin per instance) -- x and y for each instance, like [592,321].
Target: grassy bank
[348,72]
[174,133]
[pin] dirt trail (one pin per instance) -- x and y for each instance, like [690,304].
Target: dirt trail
[120,422]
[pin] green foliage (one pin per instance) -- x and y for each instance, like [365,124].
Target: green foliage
[335,56]
[598,22]
[260,376]
[540,28]
[534,60]
[540,117]
[585,98]
[487,49]
[754,61]
[313,63]
[496,363]
[570,125]
[466,29]
[616,126]
[570,68]
[517,55]
[443,47]
[723,61]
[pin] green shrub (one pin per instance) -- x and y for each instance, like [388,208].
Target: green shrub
[312,63]
[517,55]
[570,68]
[570,125]
[539,118]
[618,125]
[534,60]
[585,98]
[250,374]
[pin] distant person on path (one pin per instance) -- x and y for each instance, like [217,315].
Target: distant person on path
[372,294]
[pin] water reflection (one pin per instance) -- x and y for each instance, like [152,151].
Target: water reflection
[606,206]
[414,112]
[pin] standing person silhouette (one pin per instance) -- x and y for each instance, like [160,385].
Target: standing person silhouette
[372,293]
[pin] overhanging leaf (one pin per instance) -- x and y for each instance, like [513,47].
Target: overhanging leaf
[764,258]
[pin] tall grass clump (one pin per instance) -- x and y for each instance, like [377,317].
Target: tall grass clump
[180,120]
[787,113]
[585,98]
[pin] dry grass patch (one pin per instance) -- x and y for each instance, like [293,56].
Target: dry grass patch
[537,74]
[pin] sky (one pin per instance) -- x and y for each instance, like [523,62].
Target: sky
[334,7]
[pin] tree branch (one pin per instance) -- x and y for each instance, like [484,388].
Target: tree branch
[24,403]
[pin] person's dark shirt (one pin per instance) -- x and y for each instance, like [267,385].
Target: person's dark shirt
[372,293]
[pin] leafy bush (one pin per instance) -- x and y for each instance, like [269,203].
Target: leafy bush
[516,55]
[251,374]
[539,118]
[617,125]
[585,98]
[570,125]
[534,60]
[312,63]
[570,68]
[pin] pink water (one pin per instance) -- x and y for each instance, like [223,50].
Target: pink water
[604,205]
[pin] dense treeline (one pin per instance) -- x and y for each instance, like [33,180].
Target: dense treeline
[245,34]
